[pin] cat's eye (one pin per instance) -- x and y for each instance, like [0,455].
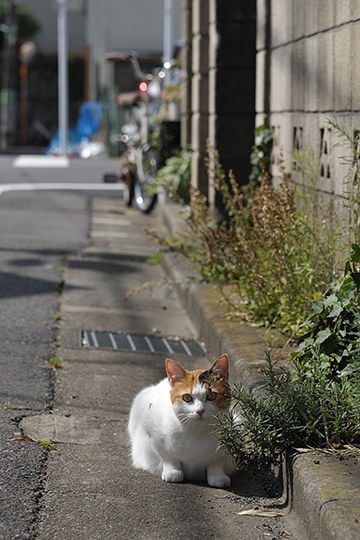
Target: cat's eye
[187,398]
[211,396]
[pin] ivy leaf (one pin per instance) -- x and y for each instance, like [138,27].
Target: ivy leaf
[317,307]
[336,311]
[322,336]
[355,253]
[156,258]
[331,299]
[356,278]
[330,345]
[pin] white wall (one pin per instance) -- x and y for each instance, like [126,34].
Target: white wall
[115,25]
[109,25]
[45,11]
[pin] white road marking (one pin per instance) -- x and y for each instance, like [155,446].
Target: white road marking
[59,186]
[41,161]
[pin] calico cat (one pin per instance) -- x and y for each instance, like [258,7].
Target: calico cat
[171,425]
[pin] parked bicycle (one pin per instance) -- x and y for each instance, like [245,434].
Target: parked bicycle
[140,159]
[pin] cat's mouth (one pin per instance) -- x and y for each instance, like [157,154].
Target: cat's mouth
[200,418]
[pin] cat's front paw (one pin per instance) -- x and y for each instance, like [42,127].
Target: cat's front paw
[218,480]
[172,475]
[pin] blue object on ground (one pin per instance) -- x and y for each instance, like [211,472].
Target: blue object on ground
[72,146]
[89,122]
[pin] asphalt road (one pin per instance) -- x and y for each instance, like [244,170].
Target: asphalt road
[85,489]
[36,229]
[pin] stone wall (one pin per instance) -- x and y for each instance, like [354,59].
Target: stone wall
[307,72]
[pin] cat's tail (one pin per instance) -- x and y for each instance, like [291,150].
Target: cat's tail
[143,454]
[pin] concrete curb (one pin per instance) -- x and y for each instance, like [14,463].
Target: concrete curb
[325,489]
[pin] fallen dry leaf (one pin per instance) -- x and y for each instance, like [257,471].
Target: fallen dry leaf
[260,513]
[23,439]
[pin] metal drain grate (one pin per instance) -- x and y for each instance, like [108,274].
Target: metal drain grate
[136,343]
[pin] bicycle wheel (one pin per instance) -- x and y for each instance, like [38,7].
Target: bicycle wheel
[147,165]
[128,177]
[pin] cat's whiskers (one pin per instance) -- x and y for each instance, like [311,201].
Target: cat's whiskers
[184,418]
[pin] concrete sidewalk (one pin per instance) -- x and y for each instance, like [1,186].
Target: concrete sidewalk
[91,491]
[325,488]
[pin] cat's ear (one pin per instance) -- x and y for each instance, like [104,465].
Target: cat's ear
[174,371]
[221,367]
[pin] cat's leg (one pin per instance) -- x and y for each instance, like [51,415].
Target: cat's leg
[216,476]
[172,471]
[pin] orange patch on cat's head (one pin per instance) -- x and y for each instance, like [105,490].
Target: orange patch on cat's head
[215,379]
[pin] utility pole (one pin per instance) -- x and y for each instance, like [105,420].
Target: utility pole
[63,100]
[167,32]
[8,101]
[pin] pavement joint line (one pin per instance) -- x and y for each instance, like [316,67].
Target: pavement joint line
[109,234]
[112,221]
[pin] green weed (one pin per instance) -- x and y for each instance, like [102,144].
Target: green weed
[175,177]
[55,362]
[47,444]
[57,316]
[268,258]
[317,402]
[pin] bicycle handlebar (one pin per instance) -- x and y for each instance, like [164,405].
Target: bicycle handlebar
[137,68]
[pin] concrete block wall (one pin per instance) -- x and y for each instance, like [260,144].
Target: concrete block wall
[219,93]
[186,60]
[232,83]
[308,70]
[200,93]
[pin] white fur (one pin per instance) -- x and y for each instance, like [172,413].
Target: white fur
[173,441]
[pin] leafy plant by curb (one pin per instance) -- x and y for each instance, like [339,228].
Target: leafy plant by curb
[272,258]
[175,177]
[268,258]
[260,153]
[333,325]
[317,402]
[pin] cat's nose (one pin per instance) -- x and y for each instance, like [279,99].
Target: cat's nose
[200,412]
